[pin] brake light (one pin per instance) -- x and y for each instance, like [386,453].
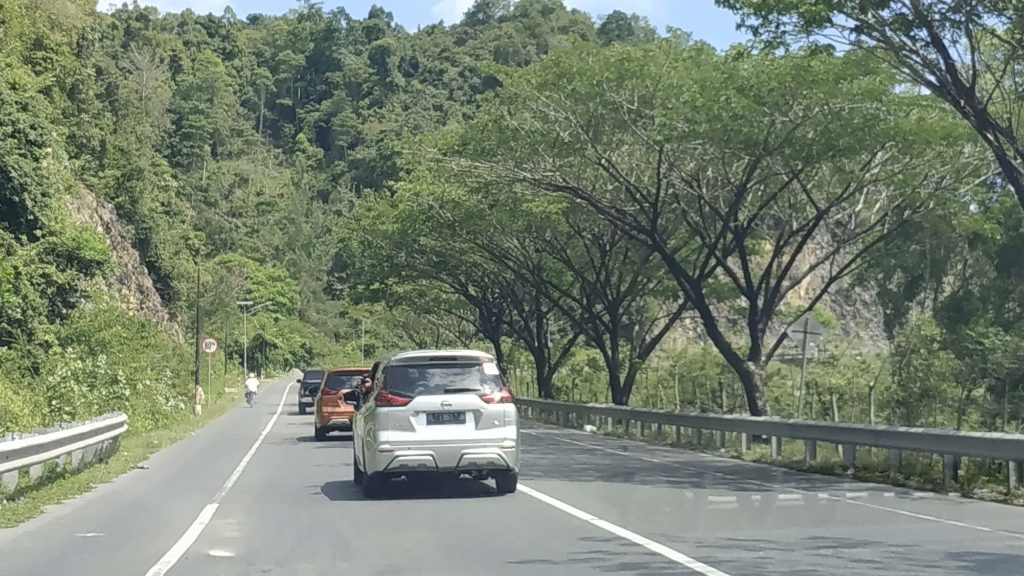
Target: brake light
[386,399]
[503,396]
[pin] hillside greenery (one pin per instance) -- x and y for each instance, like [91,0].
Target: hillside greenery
[619,215]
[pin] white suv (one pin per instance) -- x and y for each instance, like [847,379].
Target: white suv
[436,412]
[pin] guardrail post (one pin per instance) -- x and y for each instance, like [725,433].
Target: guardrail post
[36,472]
[776,445]
[611,424]
[849,455]
[744,442]
[810,451]
[720,439]
[625,427]
[1014,470]
[698,436]
[641,425]
[950,469]
[679,435]
[9,481]
[657,430]
[895,462]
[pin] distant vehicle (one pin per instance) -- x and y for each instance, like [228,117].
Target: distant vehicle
[335,401]
[309,385]
[431,413]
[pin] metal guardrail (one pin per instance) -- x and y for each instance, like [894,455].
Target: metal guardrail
[68,446]
[952,445]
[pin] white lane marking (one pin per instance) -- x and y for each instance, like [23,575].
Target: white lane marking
[192,534]
[217,553]
[671,554]
[946,521]
[856,494]
[791,497]
[90,534]
[889,495]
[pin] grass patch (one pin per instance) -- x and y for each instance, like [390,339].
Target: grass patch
[135,448]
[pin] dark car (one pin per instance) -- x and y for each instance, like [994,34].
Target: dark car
[309,385]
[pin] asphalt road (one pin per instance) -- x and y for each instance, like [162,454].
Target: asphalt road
[587,505]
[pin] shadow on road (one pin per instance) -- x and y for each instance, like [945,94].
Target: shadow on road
[608,555]
[344,438]
[347,491]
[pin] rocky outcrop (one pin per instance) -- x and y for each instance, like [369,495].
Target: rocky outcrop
[129,282]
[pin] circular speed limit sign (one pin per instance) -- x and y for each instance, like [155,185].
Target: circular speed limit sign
[209,345]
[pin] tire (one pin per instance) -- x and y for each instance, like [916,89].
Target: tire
[357,473]
[506,481]
[373,486]
[302,409]
[320,434]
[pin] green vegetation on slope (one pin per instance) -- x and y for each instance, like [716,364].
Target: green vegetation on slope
[235,148]
[620,216]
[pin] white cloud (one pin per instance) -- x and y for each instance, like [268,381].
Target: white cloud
[451,11]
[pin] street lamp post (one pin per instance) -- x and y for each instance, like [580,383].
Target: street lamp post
[247,310]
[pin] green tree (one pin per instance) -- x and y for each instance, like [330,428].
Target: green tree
[968,54]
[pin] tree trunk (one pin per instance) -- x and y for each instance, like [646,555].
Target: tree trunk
[545,385]
[871,404]
[751,378]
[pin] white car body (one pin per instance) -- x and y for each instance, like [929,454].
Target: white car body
[423,418]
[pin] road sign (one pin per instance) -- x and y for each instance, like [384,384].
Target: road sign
[209,345]
[806,331]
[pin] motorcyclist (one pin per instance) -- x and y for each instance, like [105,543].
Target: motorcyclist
[252,385]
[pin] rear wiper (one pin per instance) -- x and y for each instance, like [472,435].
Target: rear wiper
[458,389]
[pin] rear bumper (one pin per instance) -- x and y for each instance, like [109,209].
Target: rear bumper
[443,458]
[337,424]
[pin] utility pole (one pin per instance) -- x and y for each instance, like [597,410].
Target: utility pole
[197,337]
[247,309]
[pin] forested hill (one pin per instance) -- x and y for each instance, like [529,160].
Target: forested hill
[240,143]
[570,193]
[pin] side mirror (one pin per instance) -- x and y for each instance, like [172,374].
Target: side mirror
[352,397]
[298,380]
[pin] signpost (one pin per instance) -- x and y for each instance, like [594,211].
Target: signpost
[805,332]
[209,346]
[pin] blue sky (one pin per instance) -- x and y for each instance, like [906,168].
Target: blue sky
[700,17]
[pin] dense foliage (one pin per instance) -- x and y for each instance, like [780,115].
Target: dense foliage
[621,217]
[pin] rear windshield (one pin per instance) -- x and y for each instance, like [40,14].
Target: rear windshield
[410,380]
[313,375]
[342,381]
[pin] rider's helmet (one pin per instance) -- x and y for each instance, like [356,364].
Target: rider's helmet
[252,374]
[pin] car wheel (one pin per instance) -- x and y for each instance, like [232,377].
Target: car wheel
[302,409]
[357,472]
[506,482]
[320,434]
[373,485]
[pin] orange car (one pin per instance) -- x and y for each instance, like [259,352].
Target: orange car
[334,408]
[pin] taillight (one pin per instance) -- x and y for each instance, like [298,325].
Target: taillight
[503,396]
[386,399]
